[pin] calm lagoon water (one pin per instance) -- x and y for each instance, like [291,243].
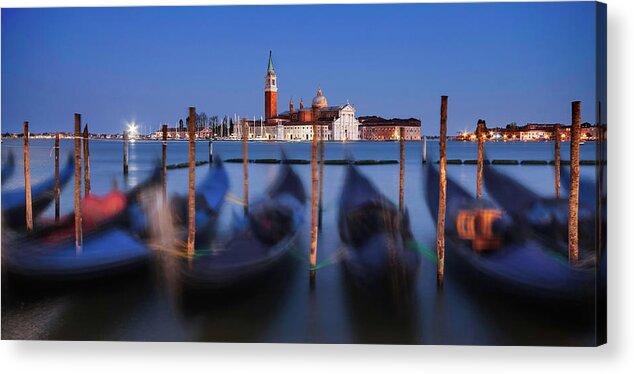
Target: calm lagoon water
[145,308]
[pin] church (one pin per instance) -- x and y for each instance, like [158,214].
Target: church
[336,123]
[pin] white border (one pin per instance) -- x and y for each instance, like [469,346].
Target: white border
[617,356]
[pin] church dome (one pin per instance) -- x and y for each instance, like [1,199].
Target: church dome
[320,101]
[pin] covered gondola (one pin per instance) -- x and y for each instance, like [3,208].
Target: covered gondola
[209,198]
[498,251]
[43,194]
[109,242]
[257,246]
[546,217]
[376,235]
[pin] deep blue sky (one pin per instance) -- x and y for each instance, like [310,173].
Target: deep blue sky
[522,62]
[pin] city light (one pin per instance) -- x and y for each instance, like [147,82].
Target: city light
[132,131]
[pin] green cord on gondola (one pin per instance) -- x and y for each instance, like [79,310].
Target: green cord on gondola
[422,249]
[329,261]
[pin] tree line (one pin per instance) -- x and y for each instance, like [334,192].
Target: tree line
[223,127]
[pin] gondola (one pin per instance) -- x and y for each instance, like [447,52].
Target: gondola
[546,217]
[257,247]
[43,193]
[491,249]
[8,167]
[209,198]
[109,242]
[376,234]
[587,188]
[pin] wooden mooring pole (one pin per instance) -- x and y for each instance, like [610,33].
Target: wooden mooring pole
[191,228]
[557,161]
[27,179]
[314,198]
[321,178]
[77,191]
[573,202]
[401,178]
[442,195]
[245,166]
[164,166]
[57,186]
[424,149]
[480,133]
[86,163]
[125,152]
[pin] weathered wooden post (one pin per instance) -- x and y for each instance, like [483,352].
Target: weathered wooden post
[401,179]
[424,149]
[57,187]
[191,229]
[573,202]
[27,179]
[78,221]
[86,163]
[313,200]
[481,135]
[557,161]
[125,152]
[164,165]
[442,196]
[245,165]
[321,178]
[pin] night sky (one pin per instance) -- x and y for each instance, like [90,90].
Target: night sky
[522,62]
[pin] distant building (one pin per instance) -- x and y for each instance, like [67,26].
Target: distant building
[380,129]
[333,122]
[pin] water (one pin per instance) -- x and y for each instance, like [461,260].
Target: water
[148,307]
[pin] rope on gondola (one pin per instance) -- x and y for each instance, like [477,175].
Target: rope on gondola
[422,249]
[234,199]
[333,259]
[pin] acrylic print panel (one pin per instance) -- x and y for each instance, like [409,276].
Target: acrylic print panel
[426,174]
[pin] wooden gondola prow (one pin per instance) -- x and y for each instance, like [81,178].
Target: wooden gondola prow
[86,163]
[27,179]
[211,151]
[424,148]
[442,195]
[573,196]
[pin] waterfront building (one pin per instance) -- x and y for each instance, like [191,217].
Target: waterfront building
[380,129]
[333,122]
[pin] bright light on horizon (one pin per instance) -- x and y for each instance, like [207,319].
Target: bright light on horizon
[132,129]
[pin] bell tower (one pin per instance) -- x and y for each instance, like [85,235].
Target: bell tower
[270,91]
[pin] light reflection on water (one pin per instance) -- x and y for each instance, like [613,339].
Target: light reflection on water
[288,311]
